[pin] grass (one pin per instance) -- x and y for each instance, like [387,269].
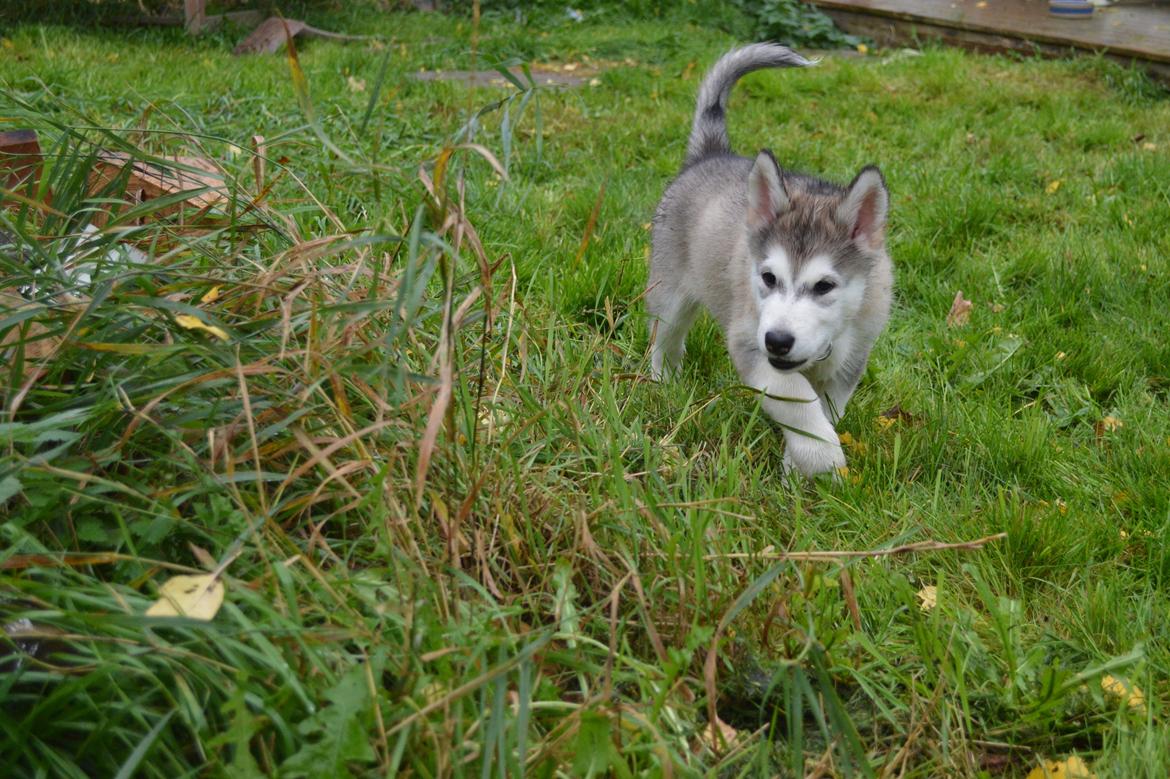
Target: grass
[585,555]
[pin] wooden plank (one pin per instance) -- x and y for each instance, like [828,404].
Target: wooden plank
[1127,31]
[20,161]
[273,33]
[194,11]
[148,181]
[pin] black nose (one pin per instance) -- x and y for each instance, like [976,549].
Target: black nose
[778,342]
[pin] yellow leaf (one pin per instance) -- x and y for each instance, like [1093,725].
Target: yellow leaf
[928,597]
[1111,423]
[1052,187]
[862,49]
[211,295]
[1123,691]
[195,323]
[1149,146]
[197,597]
[853,445]
[1069,768]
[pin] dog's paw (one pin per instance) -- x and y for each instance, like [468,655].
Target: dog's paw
[810,457]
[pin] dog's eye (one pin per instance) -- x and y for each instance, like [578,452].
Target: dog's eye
[769,279]
[824,287]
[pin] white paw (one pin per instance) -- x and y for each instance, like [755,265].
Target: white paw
[664,366]
[811,457]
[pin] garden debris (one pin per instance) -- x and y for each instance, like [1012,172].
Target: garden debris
[20,160]
[274,32]
[196,597]
[1123,691]
[928,597]
[190,322]
[38,344]
[896,413]
[717,736]
[1070,768]
[148,180]
[960,311]
[1107,424]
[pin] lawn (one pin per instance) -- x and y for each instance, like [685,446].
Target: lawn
[459,530]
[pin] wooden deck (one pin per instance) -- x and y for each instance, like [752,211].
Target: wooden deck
[1130,32]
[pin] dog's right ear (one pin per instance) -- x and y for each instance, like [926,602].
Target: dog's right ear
[767,197]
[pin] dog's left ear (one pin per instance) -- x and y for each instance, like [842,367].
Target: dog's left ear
[864,208]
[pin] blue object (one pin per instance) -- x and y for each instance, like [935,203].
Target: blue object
[1070,9]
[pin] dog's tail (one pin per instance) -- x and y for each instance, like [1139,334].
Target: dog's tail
[709,131]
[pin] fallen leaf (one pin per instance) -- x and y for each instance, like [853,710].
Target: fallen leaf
[1053,186]
[960,311]
[718,735]
[1107,424]
[1069,768]
[211,295]
[1149,146]
[197,597]
[355,84]
[1123,691]
[195,323]
[203,556]
[928,597]
[853,445]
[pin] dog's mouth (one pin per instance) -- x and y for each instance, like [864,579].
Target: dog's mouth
[785,365]
[791,365]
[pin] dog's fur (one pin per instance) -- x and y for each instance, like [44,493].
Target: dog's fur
[794,269]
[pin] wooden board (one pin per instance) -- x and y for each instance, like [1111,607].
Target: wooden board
[20,160]
[1127,32]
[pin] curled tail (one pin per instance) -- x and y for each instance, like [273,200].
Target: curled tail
[709,131]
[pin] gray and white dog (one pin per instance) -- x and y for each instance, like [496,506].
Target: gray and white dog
[794,269]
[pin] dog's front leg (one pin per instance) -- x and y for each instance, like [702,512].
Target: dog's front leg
[811,444]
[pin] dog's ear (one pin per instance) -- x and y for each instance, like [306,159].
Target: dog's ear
[864,208]
[767,196]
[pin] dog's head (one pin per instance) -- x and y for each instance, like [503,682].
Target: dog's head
[813,246]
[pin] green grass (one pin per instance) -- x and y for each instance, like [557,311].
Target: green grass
[546,594]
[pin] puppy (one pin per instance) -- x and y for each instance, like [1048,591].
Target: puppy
[794,269]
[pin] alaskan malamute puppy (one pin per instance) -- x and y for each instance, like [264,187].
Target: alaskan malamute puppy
[794,269]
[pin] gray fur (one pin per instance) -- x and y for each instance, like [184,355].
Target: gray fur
[709,131]
[724,223]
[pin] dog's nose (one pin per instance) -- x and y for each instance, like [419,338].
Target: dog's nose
[778,342]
